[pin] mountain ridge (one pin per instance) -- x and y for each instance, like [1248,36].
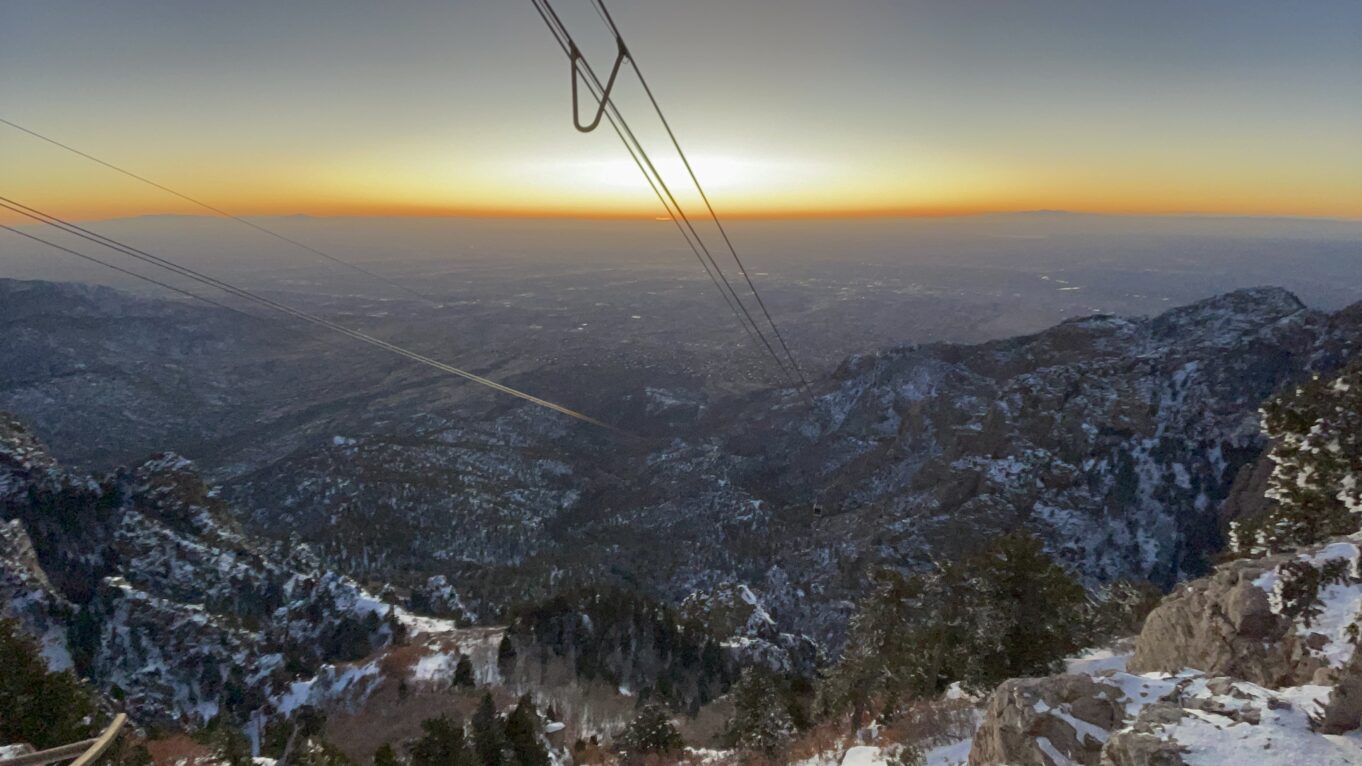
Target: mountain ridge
[1116,439]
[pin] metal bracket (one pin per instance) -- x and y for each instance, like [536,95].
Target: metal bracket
[576,56]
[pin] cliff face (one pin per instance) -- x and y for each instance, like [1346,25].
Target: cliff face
[141,581]
[1277,621]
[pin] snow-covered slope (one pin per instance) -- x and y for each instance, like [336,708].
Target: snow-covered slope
[1116,440]
[142,581]
[1249,663]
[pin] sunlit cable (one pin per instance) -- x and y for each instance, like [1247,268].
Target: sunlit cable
[650,171]
[185,271]
[219,211]
[610,21]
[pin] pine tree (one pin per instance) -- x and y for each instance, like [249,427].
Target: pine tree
[488,737]
[522,735]
[1316,482]
[385,756]
[506,657]
[41,708]
[228,743]
[441,744]
[651,731]
[761,718]
[396,628]
[1029,612]
[463,673]
[1005,611]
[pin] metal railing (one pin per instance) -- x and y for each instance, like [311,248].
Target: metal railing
[85,752]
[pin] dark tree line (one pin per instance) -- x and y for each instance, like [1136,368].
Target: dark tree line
[624,639]
[489,739]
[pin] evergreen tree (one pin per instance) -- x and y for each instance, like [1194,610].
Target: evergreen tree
[488,736]
[1028,612]
[463,673]
[651,731]
[396,628]
[506,656]
[227,742]
[761,718]
[1316,482]
[82,638]
[41,708]
[385,756]
[1120,609]
[623,639]
[441,744]
[1005,611]
[522,735]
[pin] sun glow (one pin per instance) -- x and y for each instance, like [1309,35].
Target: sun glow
[853,109]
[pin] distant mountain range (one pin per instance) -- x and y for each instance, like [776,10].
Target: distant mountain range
[1115,440]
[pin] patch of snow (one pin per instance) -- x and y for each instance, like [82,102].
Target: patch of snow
[957,692]
[863,755]
[1095,661]
[706,755]
[54,649]
[434,666]
[1340,603]
[955,754]
[1283,737]
[330,684]
[1052,752]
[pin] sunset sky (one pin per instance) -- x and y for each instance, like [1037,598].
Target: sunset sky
[788,107]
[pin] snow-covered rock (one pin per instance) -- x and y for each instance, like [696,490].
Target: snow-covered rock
[1258,660]
[1261,620]
[142,581]
[1121,719]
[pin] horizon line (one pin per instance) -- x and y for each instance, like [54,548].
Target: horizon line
[791,216]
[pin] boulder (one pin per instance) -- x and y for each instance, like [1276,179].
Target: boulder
[1031,720]
[1232,623]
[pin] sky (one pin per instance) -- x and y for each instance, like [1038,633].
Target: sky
[788,108]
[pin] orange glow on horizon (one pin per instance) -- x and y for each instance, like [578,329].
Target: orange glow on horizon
[912,110]
[111,210]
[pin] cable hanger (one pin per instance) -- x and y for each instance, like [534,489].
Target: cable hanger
[577,60]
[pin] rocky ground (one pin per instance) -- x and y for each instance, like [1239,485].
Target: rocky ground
[1236,666]
[1226,667]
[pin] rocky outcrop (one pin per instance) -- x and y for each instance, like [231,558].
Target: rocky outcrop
[750,633]
[1121,719]
[1247,498]
[1224,624]
[142,582]
[26,595]
[1030,720]
[1258,658]
[1261,620]
[1342,710]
